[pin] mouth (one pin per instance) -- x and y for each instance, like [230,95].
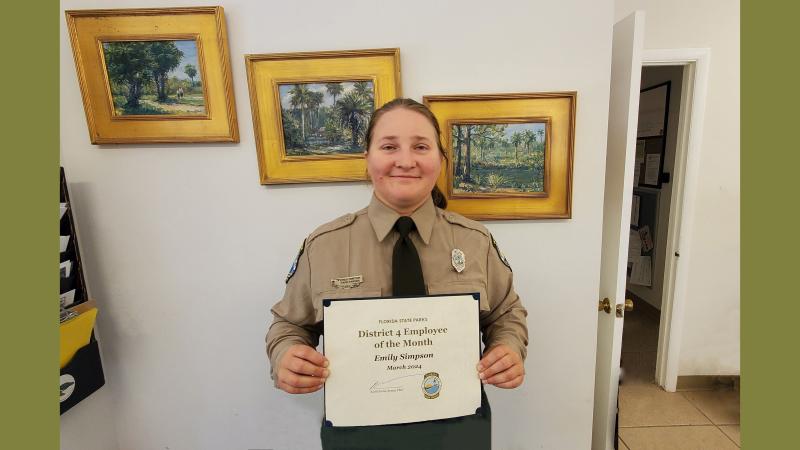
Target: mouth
[409,177]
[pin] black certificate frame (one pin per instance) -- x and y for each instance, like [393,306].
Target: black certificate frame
[655,143]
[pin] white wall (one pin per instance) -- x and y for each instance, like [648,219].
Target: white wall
[710,342]
[185,252]
[652,76]
[90,425]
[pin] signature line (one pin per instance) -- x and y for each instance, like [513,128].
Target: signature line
[378,383]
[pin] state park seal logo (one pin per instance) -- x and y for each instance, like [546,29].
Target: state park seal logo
[431,385]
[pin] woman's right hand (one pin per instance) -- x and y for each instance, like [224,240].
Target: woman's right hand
[302,370]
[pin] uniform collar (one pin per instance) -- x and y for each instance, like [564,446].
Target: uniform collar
[383,218]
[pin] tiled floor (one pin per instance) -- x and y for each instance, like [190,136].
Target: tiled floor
[653,419]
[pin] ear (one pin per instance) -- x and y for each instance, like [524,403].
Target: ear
[366,169]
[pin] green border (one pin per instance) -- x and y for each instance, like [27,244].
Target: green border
[29,193]
[29,229]
[770,308]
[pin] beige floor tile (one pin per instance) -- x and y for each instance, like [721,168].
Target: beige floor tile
[643,406]
[733,432]
[722,407]
[672,438]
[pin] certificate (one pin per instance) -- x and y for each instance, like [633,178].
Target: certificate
[401,360]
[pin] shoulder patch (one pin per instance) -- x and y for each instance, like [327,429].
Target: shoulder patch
[458,219]
[293,267]
[500,254]
[335,224]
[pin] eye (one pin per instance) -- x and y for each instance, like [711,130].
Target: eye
[421,147]
[387,147]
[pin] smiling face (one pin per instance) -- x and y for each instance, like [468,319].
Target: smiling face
[403,159]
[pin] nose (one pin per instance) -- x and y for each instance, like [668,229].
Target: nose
[405,159]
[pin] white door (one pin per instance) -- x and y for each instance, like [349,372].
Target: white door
[626,68]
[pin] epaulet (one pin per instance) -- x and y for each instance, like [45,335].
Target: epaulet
[335,224]
[458,219]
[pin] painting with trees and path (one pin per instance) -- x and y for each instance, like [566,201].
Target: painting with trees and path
[328,118]
[498,158]
[158,77]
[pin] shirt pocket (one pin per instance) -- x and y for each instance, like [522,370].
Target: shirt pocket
[342,293]
[461,287]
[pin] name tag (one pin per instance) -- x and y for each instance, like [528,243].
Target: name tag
[348,282]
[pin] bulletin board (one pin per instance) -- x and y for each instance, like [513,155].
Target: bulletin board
[644,221]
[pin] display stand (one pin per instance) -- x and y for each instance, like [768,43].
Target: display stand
[81,367]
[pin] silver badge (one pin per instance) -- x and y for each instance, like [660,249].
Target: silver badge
[459,260]
[348,282]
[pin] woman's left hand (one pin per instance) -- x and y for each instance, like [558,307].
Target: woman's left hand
[502,367]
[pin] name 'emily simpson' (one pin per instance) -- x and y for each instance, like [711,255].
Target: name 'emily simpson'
[403,357]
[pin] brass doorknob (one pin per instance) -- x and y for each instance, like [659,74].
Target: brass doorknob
[628,304]
[604,305]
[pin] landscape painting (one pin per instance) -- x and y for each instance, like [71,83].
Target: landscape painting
[158,77]
[498,158]
[325,119]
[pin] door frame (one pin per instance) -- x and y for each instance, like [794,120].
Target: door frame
[696,63]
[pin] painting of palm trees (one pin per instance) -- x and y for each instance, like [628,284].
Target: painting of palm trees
[497,158]
[325,118]
[154,77]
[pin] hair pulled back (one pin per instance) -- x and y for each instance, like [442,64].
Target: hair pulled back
[412,105]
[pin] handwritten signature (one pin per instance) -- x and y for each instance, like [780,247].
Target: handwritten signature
[379,386]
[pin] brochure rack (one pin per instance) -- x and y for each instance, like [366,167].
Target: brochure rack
[81,367]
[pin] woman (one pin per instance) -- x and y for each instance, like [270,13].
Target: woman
[404,158]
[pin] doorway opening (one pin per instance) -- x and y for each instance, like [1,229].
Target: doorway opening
[654,180]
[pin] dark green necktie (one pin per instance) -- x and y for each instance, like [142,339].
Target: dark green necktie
[406,268]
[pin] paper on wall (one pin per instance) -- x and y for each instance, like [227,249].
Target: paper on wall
[646,237]
[652,168]
[642,271]
[634,246]
[635,204]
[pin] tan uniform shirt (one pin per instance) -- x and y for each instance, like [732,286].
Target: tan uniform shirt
[362,244]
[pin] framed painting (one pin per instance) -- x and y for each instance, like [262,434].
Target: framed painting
[154,75]
[311,110]
[509,155]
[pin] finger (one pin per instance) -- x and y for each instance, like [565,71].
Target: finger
[296,390]
[303,367]
[491,356]
[500,365]
[516,382]
[310,355]
[506,375]
[299,381]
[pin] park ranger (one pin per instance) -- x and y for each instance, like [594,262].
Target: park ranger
[403,243]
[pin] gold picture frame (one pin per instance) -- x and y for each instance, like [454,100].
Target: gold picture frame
[158,75]
[304,133]
[509,155]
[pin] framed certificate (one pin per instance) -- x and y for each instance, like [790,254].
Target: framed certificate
[401,360]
